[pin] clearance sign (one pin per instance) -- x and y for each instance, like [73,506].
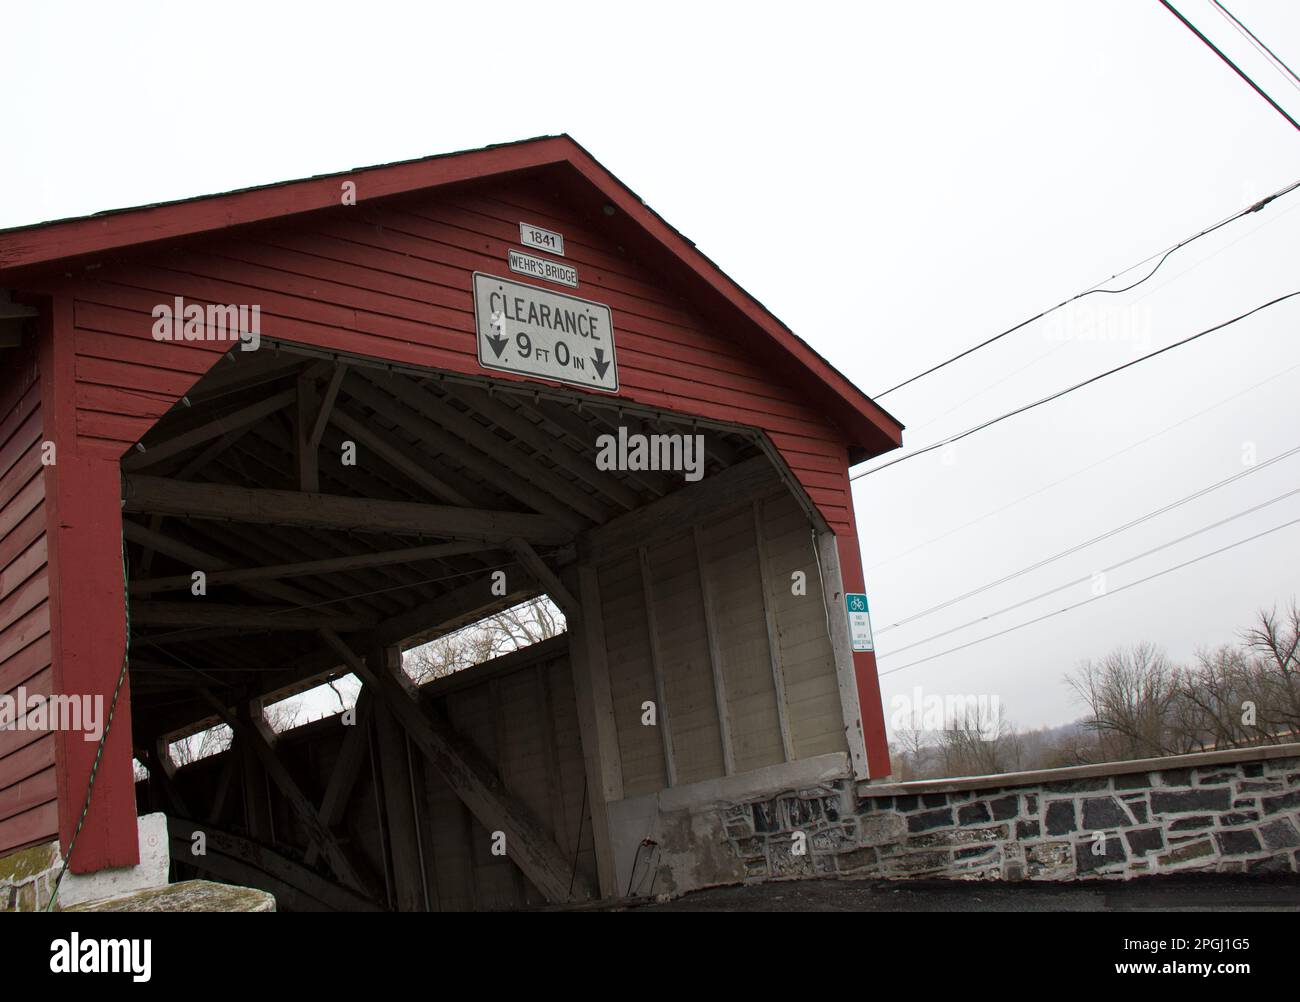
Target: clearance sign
[536,332]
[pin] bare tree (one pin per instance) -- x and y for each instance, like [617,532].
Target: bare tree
[509,630]
[978,743]
[1131,696]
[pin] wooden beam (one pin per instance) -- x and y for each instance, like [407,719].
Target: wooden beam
[510,458]
[304,451]
[467,604]
[773,634]
[715,656]
[400,457]
[201,560]
[159,496]
[399,807]
[529,845]
[546,577]
[837,621]
[346,770]
[237,860]
[734,486]
[251,617]
[657,665]
[330,565]
[532,435]
[497,472]
[327,404]
[596,724]
[252,728]
[211,429]
[572,423]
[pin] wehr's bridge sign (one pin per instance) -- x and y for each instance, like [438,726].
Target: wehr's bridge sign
[536,332]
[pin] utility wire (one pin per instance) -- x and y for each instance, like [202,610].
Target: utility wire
[1236,69]
[1259,44]
[1162,255]
[1105,570]
[1070,389]
[1085,469]
[1095,539]
[1094,598]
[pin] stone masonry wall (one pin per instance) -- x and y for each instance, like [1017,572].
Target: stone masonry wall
[27,878]
[1225,817]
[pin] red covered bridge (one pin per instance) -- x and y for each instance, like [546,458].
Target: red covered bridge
[133,455]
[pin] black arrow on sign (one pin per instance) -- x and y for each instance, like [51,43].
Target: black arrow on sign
[599,363]
[498,344]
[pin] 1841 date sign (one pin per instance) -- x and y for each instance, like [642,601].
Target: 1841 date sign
[536,332]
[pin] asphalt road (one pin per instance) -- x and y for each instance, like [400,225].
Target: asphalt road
[1204,893]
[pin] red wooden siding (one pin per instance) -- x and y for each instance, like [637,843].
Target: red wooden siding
[28,789]
[392,280]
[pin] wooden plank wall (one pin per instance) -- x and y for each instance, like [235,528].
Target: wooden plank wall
[662,588]
[524,720]
[392,280]
[28,807]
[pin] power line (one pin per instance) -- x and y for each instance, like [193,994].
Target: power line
[1105,570]
[1082,470]
[1162,255]
[1070,389]
[1236,69]
[1095,539]
[1115,591]
[1259,44]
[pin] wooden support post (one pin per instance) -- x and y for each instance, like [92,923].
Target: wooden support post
[394,768]
[715,657]
[347,768]
[257,796]
[83,533]
[471,777]
[250,727]
[773,635]
[657,664]
[304,449]
[162,767]
[596,723]
[837,621]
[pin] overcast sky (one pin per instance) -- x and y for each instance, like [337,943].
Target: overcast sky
[894,181]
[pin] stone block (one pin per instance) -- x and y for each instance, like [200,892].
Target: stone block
[1104,812]
[973,814]
[1005,808]
[1060,817]
[1144,840]
[1186,853]
[1190,801]
[1098,853]
[1284,802]
[927,820]
[1279,834]
[1238,842]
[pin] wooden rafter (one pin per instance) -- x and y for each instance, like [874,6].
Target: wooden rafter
[159,496]
[472,778]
